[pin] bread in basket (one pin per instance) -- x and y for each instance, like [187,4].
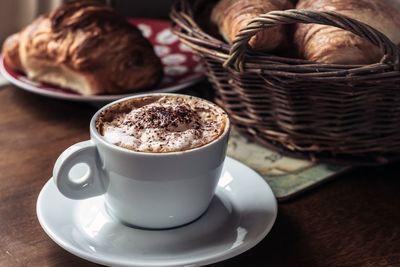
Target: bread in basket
[341,113]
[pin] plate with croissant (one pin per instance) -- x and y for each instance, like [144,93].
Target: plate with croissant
[84,51]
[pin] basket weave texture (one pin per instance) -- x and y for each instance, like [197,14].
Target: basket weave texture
[341,113]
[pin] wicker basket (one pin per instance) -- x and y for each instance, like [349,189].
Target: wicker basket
[341,113]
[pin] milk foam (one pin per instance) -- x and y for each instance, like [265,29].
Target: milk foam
[169,124]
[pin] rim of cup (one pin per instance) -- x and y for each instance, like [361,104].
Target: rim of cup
[94,133]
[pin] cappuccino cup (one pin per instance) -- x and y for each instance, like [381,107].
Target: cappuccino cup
[153,170]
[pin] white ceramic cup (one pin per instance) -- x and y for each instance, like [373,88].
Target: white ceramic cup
[149,190]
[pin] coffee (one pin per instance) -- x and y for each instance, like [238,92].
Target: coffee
[150,190]
[162,123]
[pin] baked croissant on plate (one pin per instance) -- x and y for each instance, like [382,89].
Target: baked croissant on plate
[86,47]
[233,15]
[328,44]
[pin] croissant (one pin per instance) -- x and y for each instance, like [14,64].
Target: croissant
[328,44]
[232,15]
[84,46]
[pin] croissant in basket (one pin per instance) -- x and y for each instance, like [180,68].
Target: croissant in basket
[328,44]
[84,46]
[341,113]
[232,15]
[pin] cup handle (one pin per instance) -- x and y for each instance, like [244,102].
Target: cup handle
[90,184]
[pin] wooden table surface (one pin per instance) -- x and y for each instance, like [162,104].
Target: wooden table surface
[351,221]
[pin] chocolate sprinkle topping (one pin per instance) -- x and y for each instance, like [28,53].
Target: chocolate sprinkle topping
[165,125]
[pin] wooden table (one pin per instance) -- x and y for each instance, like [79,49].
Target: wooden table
[353,220]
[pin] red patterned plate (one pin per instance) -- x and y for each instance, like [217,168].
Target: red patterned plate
[182,68]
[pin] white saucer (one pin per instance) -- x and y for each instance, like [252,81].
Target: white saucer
[241,215]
